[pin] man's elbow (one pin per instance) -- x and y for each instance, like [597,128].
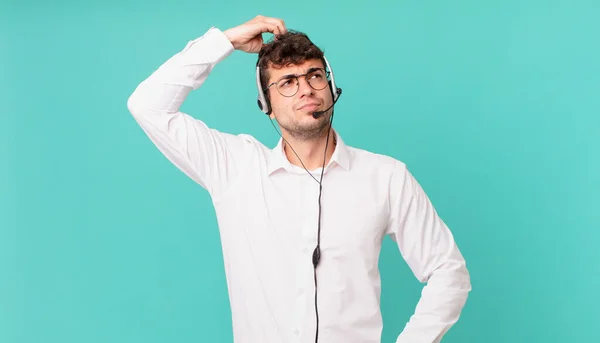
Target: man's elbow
[452,276]
[134,104]
[463,277]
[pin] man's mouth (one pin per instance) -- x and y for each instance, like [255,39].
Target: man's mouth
[309,107]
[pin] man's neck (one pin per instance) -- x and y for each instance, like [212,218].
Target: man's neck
[310,151]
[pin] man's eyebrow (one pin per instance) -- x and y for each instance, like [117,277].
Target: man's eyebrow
[287,76]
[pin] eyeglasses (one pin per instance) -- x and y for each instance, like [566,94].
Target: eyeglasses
[288,85]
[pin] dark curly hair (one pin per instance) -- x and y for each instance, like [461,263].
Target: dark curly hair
[290,48]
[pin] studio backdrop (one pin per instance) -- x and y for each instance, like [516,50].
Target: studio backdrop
[493,105]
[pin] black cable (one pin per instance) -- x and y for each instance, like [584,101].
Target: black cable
[316,257]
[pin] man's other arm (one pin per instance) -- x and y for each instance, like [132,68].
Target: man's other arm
[429,249]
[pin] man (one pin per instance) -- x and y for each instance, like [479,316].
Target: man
[301,224]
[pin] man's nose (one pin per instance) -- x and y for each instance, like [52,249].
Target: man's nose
[303,87]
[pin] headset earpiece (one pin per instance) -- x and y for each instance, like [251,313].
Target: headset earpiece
[335,92]
[263,104]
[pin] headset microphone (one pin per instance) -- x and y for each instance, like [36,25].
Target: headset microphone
[318,114]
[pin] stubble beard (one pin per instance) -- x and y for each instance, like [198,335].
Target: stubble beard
[314,130]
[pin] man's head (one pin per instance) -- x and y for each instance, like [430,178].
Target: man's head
[295,82]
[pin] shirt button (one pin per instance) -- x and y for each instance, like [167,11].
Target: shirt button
[296,332]
[305,250]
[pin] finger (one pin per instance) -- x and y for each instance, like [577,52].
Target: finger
[279,23]
[270,27]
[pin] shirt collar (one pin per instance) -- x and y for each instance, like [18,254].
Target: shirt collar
[278,159]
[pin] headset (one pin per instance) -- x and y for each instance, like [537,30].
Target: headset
[264,106]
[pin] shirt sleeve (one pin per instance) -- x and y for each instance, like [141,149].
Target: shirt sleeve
[429,249]
[211,158]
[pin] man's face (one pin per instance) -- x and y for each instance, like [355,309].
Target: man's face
[293,101]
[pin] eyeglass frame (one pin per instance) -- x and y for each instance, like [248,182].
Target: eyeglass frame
[297,77]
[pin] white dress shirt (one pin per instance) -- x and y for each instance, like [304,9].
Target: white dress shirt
[267,212]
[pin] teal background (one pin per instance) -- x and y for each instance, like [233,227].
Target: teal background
[494,105]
